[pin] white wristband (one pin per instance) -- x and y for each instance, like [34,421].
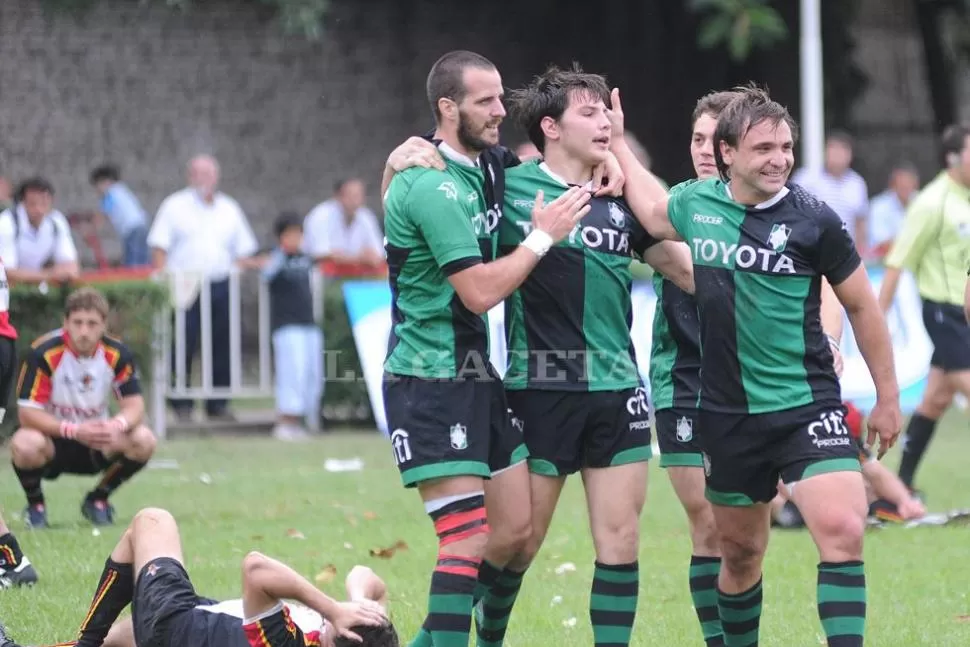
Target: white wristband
[538,242]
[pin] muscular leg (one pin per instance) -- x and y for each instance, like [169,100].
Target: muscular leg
[743,537]
[497,606]
[834,507]
[936,399]
[152,534]
[705,561]
[456,505]
[615,498]
[30,452]
[508,505]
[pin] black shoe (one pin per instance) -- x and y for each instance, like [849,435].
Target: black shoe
[35,516]
[21,575]
[98,511]
[884,511]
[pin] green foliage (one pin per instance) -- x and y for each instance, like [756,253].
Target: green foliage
[738,25]
[133,308]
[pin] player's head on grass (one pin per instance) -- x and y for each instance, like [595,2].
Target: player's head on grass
[754,145]
[703,122]
[564,114]
[85,319]
[289,231]
[465,92]
[956,152]
[371,636]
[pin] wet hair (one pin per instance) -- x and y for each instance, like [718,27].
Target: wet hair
[750,106]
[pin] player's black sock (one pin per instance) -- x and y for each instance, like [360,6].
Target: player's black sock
[740,616]
[10,553]
[114,592]
[915,441]
[30,481]
[842,602]
[703,591]
[613,602]
[487,576]
[117,473]
[497,608]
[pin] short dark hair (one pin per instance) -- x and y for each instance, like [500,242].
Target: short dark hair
[86,298]
[841,137]
[548,96]
[37,184]
[109,172]
[750,106]
[904,166]
[953,140]
[446,78]
[287,220]
[339,185]
[712,103]
[373,636]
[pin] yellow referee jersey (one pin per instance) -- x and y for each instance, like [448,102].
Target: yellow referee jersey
[934,241]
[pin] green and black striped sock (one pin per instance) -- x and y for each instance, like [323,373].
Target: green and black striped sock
[842,602]
[703,591]
[449,620]
[487,576]
[740,616]
[613,603]
[497,609]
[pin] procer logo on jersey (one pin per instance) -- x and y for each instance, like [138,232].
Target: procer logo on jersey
[829,430]
[745,257]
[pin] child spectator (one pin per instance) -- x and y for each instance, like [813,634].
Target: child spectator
[297,339]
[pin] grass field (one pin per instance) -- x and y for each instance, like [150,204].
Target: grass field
[234,495]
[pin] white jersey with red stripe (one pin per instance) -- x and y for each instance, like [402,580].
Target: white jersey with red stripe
[6,328]
[73,387]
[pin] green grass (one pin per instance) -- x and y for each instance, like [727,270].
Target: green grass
[261,489]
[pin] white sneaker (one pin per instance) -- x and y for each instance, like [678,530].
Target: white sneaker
[289,432]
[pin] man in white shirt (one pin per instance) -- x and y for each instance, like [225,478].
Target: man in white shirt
[35,239]
[840,187]
[201,233]
[887,210]
[343,229]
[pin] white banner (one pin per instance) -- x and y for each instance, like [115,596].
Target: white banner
[369,307]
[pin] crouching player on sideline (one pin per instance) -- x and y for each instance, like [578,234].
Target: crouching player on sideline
[63,407]
[146,570]
[889,498]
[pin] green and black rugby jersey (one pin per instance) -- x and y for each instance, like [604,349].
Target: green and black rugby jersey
[568,324]
[436,224]
[757,272]
[675,354]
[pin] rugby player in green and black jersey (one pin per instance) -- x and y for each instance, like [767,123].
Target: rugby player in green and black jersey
[451,426]
[572,378]
[770,402]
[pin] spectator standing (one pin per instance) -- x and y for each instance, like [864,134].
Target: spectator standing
[887,210]
[201,233]
[297,339]
[343,229]
[125,212]
[840,187]
[35,239]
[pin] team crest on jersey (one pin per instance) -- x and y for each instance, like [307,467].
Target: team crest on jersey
[459,436]
[449,189]
[617,217]
[685,429]
[778,238]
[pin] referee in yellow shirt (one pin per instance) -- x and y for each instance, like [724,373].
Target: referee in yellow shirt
[934,244]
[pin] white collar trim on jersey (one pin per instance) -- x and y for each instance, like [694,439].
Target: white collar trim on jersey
[548,171]
[770,202]
[457,157]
